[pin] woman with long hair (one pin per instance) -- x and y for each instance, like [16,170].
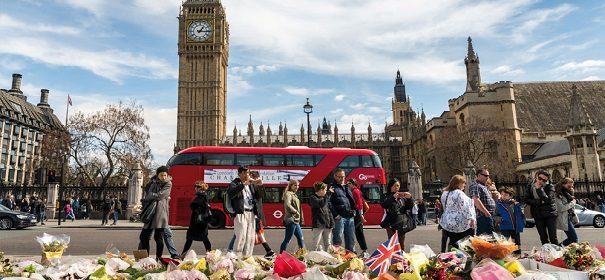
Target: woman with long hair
[397,206]
[566,202]
[198,223]
[293,217]
[458,219]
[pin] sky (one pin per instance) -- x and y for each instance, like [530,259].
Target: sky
[342,54]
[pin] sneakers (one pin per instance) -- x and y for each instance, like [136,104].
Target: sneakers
[270,255]
[365,255]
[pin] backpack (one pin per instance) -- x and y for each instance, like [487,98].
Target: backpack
[227,207]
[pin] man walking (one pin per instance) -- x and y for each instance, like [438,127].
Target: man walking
[242,199]
[484,203]
[343,209]
[601,204]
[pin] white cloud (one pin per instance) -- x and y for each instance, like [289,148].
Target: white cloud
[111,64]
[376,36]
[507,70]
[538,17]
[7,22]
[305,92]
[585,66]
[162,132]
[267,68]
[237,86]
[339,97]
[591,78]
[358,106]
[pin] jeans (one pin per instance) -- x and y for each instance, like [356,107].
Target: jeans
[359,235]
[169,243]
[346,227]
[69,216]
[547,229]
[158,236]
[423,219]
[292,229]
[115,217]
[415,219]
[572,236]
[485,225]
[105,217]
[601,208]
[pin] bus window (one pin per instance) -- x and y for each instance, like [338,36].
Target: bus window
[274,160]
[219,159]
[304,195]
[300,160]
[186,159]
[372,192]
[366,161]
[349,162]
[273,195]
[246,160]
[377,162]
[318,158]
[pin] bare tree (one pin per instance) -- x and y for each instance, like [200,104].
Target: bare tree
[105,144]
[480,142]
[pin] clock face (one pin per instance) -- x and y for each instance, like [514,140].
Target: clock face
[199,30]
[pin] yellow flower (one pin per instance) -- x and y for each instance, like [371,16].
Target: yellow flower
[221,274]
[356,264]
[201,265]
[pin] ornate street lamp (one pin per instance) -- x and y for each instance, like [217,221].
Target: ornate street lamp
[308,109]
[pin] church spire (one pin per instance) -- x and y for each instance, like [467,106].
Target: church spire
[250,127]
[578,116]
[473,73]
[399,89]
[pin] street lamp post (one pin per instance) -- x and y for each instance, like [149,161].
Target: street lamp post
[308,109]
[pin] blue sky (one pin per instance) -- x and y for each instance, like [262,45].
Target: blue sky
[343,54]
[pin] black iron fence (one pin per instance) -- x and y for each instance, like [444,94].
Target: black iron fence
[96,195]
[584,189]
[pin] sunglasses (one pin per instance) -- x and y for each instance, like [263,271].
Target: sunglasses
[542,179]
[486,175]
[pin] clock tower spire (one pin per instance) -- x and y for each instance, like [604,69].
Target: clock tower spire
[203,49]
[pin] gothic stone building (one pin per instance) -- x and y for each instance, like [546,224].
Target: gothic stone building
[23,127]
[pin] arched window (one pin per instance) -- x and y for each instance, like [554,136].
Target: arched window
[462,120]
[556,176]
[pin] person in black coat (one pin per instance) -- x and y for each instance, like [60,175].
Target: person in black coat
[540,195]
[198,228]
[398,206]
[322,218]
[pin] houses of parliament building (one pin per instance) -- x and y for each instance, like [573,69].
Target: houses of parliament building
[557,126]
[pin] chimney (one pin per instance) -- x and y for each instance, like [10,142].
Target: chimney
[16,87]
[43,98]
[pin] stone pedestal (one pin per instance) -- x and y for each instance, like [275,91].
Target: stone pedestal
[415,181]
[51,200]
[135,190]
[470,175]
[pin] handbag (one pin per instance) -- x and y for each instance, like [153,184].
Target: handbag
[148,211]
[574,218]
[408,223]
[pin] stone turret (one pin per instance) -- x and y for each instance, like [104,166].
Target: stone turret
[286,133]
[473,73]
[269,134]
[336,140]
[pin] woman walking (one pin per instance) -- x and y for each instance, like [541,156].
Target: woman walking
[198,223]
[397,206]
[566,202]
[458,219]
[157,192]
[359,218]
[293,217]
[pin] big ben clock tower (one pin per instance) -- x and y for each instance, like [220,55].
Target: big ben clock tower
[203,54]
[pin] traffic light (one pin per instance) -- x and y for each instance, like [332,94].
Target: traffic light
[51,176]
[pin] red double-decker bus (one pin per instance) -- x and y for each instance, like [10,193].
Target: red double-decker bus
[217,166]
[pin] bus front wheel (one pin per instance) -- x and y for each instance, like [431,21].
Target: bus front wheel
[217,219]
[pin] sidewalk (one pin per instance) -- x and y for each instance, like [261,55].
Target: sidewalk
[53,223]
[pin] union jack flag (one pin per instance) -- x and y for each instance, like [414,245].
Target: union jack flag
[387,253]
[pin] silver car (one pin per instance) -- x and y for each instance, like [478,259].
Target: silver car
[586,216]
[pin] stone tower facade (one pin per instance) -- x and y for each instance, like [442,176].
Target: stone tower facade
[582,138]
[203,49]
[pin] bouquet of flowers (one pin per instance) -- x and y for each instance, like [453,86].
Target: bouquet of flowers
[492,246]
[52,247]
[579,256]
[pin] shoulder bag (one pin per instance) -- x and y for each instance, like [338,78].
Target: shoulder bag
[443,208]
[148,211]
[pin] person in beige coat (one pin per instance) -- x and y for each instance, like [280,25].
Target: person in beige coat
[293,218]
[566,202]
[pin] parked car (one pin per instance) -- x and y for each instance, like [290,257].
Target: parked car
[15,219]
[586,216]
